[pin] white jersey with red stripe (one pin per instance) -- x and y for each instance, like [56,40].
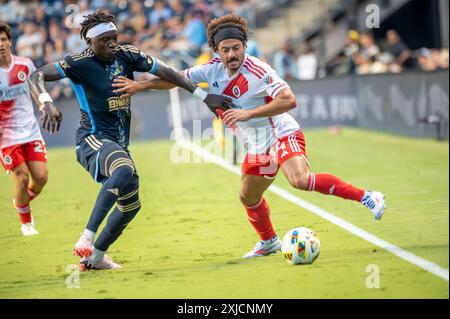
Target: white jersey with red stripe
[16,108]
[254,85]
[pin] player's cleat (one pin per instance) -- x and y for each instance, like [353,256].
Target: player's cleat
[105,264]
[83,247]
[28,229]
[375,202]
[264,248]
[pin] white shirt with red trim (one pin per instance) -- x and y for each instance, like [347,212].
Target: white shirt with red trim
[254,85]
[16,108]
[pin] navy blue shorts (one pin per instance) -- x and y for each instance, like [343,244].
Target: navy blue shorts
[99,156]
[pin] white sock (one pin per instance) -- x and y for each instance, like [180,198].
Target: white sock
[97,255]
[89,233]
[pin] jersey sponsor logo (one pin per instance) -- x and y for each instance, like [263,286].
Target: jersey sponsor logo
[116,103]
[13,92]
[7,159]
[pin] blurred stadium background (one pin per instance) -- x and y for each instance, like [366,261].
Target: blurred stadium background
[374,105]
[393,77]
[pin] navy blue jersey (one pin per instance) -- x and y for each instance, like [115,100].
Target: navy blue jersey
[103,113]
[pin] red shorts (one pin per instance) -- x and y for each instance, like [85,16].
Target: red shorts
[14,155]
[267,165]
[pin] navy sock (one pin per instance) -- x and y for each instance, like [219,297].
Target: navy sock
[108,195]
[117,221]
[127,207]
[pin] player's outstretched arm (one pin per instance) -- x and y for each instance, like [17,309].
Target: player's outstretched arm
[128,87]
[282,103]
[51,117]
[213,101]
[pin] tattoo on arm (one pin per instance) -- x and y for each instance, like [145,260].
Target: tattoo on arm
[39,77]
[51,117]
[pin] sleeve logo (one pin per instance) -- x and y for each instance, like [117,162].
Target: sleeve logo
[63,64]
[268,80]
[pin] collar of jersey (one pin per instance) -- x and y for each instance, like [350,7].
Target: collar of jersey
[11,65]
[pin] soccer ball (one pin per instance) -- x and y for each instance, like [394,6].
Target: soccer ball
[300,246]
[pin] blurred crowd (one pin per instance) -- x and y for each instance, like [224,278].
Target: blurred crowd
[46,30]
[173,30]
[361,55]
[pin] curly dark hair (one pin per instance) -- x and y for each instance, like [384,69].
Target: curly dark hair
[228,20]
[91,20]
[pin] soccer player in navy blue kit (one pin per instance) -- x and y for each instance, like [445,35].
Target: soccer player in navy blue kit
[103,136]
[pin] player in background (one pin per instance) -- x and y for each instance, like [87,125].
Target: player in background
[22,149]
[103,136]
[272,137]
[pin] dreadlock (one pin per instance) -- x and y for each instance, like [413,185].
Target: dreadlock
[228,20]
[91,20]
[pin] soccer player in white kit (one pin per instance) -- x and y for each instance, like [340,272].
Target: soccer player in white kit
[272,137]
[22,149]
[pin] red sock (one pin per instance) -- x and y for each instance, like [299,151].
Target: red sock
[24,212]
[331,185]
[259,217]
[32,195]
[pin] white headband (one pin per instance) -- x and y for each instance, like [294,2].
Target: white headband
[100,29]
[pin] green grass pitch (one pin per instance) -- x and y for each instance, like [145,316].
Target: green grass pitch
[188,239]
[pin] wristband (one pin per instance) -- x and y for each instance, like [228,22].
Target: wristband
[45,97]
[199,93]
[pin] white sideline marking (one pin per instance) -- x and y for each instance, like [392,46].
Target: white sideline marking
[400,252]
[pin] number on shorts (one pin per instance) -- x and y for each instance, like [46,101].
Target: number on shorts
[38,148]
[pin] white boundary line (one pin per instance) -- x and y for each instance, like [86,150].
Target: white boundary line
[403,254]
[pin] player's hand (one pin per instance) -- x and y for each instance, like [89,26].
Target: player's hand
[126,86]
[51,117]
[231,117]
[1,134]
[218,102]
